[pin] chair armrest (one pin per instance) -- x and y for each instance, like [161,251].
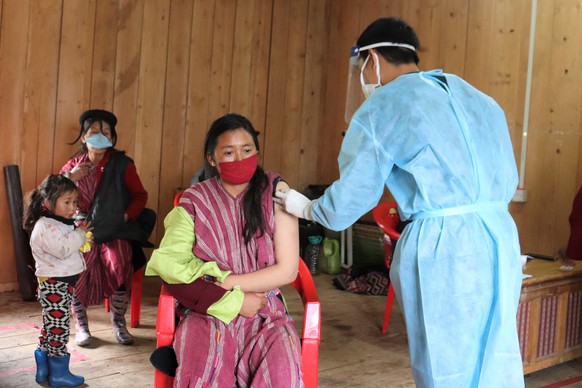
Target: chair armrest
[311,333]
[166,319]
[312,307]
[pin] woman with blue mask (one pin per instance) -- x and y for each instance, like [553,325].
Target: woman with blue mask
[113,198]
[443,150]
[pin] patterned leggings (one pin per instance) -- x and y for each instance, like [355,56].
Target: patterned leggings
[55,298]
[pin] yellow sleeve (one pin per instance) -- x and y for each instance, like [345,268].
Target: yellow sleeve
[174,261]
[228,307]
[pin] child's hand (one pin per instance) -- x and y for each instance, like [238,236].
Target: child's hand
[85,226]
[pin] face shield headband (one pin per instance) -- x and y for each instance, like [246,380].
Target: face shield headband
[355,95]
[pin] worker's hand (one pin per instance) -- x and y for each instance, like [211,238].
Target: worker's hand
[253,302]
[294,203]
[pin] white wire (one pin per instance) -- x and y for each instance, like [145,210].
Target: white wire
[526,109]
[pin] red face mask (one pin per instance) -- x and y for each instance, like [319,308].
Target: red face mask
[238,172]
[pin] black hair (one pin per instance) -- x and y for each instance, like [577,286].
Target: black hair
[51,189]
[252,213]
[86,124]
[390,30]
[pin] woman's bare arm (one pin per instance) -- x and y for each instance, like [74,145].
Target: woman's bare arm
[284,271]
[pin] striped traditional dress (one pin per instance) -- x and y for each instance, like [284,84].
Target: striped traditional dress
[109,264]
[263,351]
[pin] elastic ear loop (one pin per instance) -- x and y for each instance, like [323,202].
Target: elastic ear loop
[362,80]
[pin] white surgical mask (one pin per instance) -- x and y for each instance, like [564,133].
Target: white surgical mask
[368,89]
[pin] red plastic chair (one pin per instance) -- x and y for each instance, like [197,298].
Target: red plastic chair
[311,332]
[310,336]
[136,291]
[177,198]
[386,216]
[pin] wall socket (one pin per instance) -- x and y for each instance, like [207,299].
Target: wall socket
[520,196]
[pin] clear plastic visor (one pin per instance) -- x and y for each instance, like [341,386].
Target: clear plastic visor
[354,96]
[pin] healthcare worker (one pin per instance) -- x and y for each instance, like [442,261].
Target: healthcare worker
[443,150]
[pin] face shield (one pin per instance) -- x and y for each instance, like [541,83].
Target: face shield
[354,96]
[356,84]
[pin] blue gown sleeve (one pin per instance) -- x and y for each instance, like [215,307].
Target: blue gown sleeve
[364,166]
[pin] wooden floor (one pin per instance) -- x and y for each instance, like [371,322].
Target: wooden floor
[353,352]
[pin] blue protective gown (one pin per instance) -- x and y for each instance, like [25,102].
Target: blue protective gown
[445,154]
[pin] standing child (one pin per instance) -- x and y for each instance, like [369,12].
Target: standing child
[55,241]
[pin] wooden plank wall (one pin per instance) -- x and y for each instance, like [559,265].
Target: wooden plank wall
[168,68]
[554,157]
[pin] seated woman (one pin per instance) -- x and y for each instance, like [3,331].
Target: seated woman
[226,250]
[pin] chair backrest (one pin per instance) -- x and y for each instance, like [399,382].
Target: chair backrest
[177,198]
[386,216]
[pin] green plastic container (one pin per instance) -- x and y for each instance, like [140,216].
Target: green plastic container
[329,260]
